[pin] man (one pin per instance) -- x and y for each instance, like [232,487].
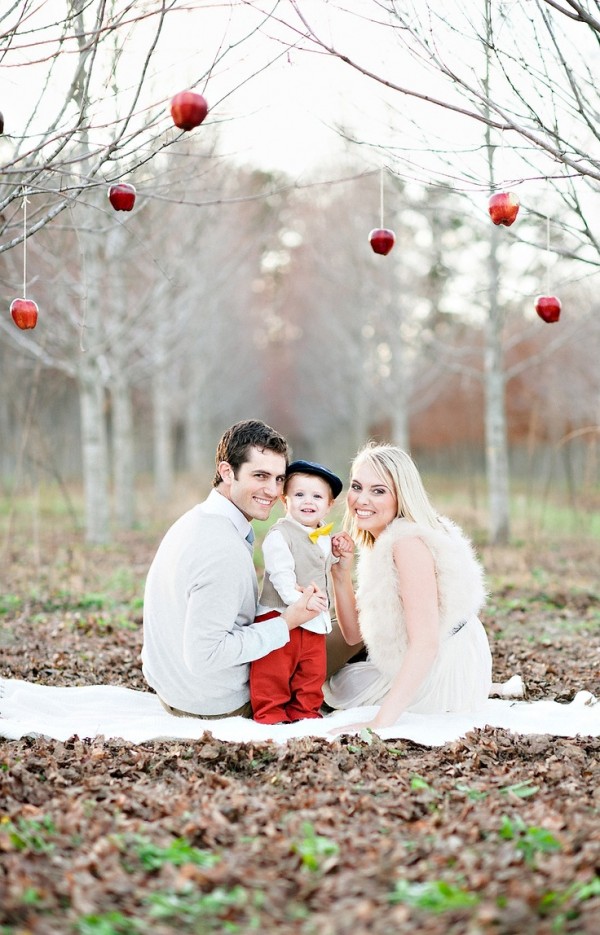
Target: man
[201,592]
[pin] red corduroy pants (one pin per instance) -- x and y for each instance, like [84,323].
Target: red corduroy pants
[287,684]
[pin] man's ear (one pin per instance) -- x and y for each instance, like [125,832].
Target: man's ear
[226,472]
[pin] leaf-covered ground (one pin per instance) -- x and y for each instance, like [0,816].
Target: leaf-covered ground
[495,833]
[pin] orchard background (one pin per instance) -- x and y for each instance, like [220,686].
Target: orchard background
[242,284]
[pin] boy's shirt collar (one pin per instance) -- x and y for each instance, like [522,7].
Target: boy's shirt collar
[321,530]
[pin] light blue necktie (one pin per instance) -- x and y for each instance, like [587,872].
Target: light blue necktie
[250,539]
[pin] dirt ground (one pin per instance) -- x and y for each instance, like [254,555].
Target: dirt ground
[495,833]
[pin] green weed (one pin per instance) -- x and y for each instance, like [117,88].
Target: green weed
[177,853]
[523,790]
[530,841]
[9,603]
[568,901]
[418,784]
[313,848]
[189,906]
[110,923]
[433,896]
[473,794]
[30,834]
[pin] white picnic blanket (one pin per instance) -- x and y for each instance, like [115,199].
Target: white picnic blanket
[111,711]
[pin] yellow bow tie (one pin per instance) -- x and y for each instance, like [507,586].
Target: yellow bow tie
[321,531]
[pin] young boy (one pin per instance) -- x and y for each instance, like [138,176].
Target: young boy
[286,684]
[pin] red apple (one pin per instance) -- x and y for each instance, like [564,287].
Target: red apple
[382,240]
[122,196]
[1,123]
[188,110]
[548,308]
[24,313]
[503,208]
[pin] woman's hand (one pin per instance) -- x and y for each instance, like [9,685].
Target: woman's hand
[342,548]
[352,728]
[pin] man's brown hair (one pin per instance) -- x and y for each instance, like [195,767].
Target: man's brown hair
[236,442]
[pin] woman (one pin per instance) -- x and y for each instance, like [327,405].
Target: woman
[420,588]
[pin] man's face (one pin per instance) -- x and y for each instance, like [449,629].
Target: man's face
[258,484]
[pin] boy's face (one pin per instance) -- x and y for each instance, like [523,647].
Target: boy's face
[308,499]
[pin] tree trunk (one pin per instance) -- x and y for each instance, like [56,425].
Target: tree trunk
[400,423]
[122,410]
[91,399]
[197,459]
[495,419]
[496,446]
[162,420]
[123,451]
[94,455]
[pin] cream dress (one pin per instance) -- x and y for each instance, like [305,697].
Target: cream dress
[461,677]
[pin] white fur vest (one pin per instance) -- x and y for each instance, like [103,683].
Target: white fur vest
[460,584]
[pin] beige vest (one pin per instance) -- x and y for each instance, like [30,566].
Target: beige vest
[310,565]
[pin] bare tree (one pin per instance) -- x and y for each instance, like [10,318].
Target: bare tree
[99,115]
[522,71]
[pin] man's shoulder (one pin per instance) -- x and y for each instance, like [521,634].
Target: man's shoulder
[201,526]
[217,526]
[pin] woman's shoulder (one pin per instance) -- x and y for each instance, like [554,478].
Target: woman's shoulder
[448,535]
[402,528]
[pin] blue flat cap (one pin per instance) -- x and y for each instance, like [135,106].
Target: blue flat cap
[311,467]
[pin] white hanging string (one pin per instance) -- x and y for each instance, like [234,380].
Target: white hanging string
[381,197]
[25,203]
[547,254]
[502,159]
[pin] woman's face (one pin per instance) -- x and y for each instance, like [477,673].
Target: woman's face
[371,500]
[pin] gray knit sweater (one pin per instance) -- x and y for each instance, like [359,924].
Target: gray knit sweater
[199,609]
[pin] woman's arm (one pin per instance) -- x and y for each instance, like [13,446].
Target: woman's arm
[343,586]
[418,591]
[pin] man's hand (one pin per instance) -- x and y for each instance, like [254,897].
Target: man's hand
[311,602]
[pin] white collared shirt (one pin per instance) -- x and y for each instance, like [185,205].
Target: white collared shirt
[281,568]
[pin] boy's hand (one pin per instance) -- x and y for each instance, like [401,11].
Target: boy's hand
[317,601]
[304,608]
[342,547]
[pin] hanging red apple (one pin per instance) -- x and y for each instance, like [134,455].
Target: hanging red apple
[24,313]
[382,240]
[188,110]
[503,208]
[122,196]
[1,123]
[548,308]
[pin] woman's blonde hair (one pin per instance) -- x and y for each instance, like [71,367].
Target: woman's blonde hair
[399,472]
